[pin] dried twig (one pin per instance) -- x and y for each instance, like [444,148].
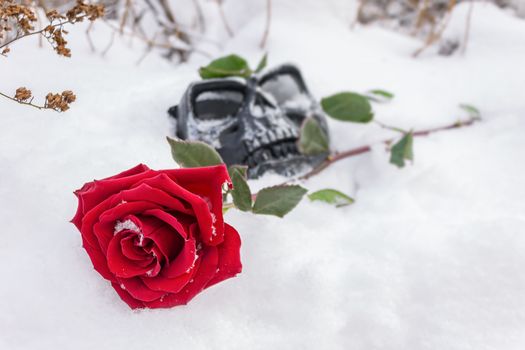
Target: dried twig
[200,16]
[223,18]
[268,22]
[434,36]
[467,27]
[55,102]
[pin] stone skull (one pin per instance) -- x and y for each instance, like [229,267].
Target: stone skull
[254,122]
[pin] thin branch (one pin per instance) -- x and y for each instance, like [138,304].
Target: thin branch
[364,149]
[88,37]
[153,43]
[18,37]
[435,36]
[268,22]
[23,102]
[467,27]
[200,16]
[223,19]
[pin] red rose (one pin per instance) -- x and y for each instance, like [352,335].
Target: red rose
[158,236]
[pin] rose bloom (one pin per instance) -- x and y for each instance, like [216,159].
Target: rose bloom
[159,236]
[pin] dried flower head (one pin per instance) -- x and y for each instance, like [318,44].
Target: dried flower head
[60,102]
[22,94]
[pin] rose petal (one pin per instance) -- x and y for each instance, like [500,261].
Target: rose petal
[98,260]
[170,220]
[120,265]
[207,183]
[131,250]
[144,192]
[229,256]
[202,276]
[183,262]
[127,298]
[138,290]
[171,285]
[125,209]
[167,241]
[200,208]
[92,193]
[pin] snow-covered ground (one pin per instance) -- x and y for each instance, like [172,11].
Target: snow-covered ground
[429,257]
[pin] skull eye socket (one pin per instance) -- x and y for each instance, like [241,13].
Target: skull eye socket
[283,87]
[218,104]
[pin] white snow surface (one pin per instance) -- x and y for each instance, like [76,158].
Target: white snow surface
[430,256]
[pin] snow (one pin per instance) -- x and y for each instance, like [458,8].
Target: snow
[429,256]
[128,225]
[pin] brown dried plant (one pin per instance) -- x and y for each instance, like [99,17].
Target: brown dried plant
[17,21]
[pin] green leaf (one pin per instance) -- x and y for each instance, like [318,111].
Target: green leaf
[348,107]
[471,110]
[242,196]
[313,139]
[241,169]
[227,66]
[192,154]
[331,196]
[379,95]
[278,200]
[262,63]
[383,93]
[402,150]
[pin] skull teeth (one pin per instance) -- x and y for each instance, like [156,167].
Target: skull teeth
[278,151]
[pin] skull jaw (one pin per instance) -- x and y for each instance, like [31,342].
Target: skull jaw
[292,166]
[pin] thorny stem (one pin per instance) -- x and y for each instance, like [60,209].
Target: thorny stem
[337,156]
[364,149]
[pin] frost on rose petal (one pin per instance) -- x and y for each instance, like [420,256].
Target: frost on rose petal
[193,263]
[126,225]
[213,228]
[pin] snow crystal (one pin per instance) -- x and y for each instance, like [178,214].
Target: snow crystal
[126,225]
[193,263]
